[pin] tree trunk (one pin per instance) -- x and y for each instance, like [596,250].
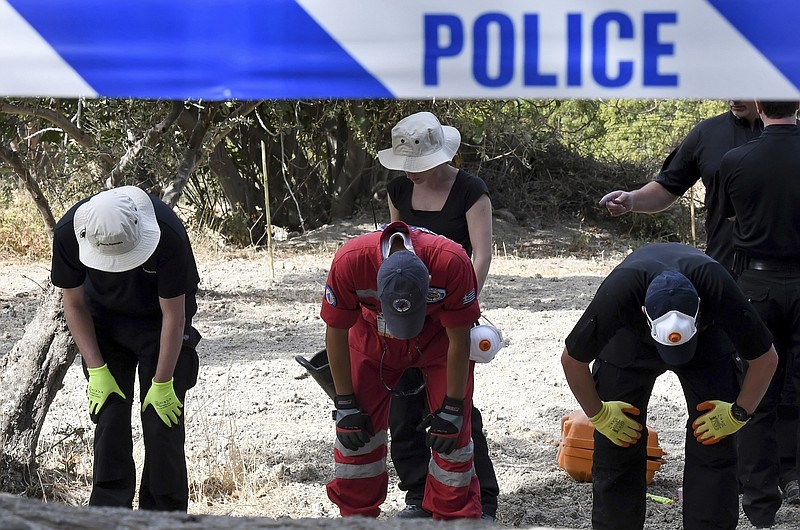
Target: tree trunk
[240,194]
[30,376]
[196,127]
[351,159]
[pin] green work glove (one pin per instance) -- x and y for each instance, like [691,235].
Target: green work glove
[101,385]
[613,423]
[162,397]
[716,424]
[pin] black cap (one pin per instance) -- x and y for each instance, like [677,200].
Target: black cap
[403,291]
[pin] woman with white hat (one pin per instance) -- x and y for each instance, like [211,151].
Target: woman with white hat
[451,202]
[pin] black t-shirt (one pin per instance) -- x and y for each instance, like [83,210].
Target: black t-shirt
[171,271]
[697,158]
[760,185]
[451,220]
[617,305]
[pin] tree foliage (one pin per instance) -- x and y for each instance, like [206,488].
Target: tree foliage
[315,161]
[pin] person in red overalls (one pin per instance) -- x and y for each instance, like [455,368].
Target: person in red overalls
[397,298]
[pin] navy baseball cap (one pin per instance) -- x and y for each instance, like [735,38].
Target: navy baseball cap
[672,306]
[403,290]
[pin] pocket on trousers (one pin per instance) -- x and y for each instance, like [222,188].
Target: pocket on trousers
[755,293]
[189,372]
[191,337]
[188,367]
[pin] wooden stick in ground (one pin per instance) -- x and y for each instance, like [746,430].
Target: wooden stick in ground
[266,207]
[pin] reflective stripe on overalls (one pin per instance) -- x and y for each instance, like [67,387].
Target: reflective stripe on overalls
[454,479]
[365,469]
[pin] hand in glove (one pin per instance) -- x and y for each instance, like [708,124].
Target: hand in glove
[445,424]
[614,423]
[716,424]
[162,397]
[353,425]
[101,385]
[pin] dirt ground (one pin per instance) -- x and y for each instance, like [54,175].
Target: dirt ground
[259,433]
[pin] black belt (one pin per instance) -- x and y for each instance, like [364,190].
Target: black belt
[773,265]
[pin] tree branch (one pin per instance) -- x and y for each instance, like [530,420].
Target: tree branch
[243,110]
[149,139]
[64,123]
[10,157]
[200,145]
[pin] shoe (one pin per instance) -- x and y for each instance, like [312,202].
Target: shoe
[413,511]
[486,517]
[791,492]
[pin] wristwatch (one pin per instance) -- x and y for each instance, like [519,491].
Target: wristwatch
[739,413]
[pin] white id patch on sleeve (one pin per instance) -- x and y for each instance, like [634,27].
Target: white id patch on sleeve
[435,294]
[330,296]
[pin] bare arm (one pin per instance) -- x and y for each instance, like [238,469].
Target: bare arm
[81,326]
[579,379]
[479,223]
[394,213]
[457,362]
[756,381]
[173,321]
[338,345]
[650,198]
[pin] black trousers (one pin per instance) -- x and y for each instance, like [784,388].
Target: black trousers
[410,452]
[763,457]
[129,348]
[619,481]
[787,440]
[788,430]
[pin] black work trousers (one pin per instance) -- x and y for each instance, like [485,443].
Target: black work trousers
[787,432]
[775,295]
[129,348]
[619,474]
[410,452]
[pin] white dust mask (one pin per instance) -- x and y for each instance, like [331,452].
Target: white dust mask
[673,328]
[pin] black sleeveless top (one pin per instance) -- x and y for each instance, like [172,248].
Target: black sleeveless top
[451,220]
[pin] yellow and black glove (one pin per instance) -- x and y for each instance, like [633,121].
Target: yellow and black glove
[716,424]
[614,423]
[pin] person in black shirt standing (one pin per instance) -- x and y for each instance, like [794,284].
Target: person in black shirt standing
[435,195]
[679,303]
[128,275]
[696,158]
[760,187]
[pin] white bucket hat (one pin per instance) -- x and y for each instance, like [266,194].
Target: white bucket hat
[420,143]
[116,229]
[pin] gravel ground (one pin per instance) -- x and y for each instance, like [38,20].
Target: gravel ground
[259,435]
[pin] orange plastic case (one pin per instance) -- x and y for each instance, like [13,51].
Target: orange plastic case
[577,447]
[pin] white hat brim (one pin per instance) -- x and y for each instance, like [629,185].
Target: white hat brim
[418,164]
[150,235]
